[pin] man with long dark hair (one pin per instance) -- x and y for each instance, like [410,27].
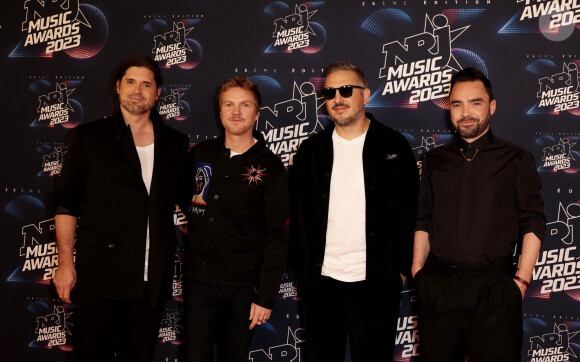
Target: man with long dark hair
[117,194]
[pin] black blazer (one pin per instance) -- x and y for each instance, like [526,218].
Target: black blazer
[101,184]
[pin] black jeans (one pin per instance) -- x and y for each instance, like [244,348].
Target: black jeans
[217,313]
[104,327]
[367,310]
[469,309]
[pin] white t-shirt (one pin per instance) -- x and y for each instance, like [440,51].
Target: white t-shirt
[345,253]
[146,156]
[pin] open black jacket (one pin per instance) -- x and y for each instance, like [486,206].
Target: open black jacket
[238,211]
[101,184]
[391,183]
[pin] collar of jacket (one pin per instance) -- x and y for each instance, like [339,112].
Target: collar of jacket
[252,150]
[126,129]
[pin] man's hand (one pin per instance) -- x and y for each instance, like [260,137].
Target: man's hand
[258,315]
[64,280]
[415,268]
[522,287]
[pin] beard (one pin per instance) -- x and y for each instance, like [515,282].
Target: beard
[135,108]
[345,120]
[474,131]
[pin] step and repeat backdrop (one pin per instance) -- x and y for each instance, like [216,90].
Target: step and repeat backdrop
[56,64]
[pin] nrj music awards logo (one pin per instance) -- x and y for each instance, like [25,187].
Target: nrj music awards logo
[170,106]
[289,122]
[65,25]
[290,351]
[559,156]
[557,266]
[553,346]
[177,284]
[423,63]
[296,30]
[170,329]
[174,47]
[293,31]
[54,107]
[559,12]
[52,329]
[559,92]
[38,254]
[52,162]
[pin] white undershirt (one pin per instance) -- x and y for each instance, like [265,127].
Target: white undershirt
[345,253]
[146,155]
[234,153]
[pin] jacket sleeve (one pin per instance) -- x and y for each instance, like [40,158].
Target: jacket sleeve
[70,185]
[425,198]
[407,207]
[186,183]
[276,239]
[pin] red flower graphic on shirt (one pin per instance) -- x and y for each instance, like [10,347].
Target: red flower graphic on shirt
[254,174]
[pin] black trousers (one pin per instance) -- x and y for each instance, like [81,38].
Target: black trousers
[367,310]
[469,309]
[104,328]
[217,313]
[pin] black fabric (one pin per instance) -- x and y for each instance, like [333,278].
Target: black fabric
[391,182]
[104,327]
[101,183]
[476,311]
[237,234]
[475,211]
[367,310]
[217,313]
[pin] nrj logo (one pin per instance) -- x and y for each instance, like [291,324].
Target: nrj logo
[52,328]
[559,156]
[557,267]
[53,161]
[39,252]
[173,47]
[170,105]
[291,121]
[291,351]
[177,284]
[553,346]
[54,107]
[560,90]
[423,63]
[293,31]
[55,23]
[169,329]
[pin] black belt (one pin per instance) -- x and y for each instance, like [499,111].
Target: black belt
[458,270]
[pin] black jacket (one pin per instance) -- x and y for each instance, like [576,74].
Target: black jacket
[101,183]
[391,182]
[238,209]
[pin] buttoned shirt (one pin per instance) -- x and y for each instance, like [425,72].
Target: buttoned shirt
[477,200]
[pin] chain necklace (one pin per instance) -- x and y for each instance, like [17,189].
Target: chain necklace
[468,159]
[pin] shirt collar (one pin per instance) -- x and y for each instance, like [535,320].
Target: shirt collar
[478,144]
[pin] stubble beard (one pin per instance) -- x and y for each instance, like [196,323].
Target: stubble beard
[474,131]
[344,121]
[135,108]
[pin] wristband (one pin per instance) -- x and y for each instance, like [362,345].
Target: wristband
[522,280]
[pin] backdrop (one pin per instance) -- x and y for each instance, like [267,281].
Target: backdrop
[57,58]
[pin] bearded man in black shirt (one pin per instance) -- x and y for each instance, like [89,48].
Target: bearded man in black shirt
[479,196]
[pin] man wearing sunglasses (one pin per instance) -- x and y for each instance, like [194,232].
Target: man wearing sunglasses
[353,204]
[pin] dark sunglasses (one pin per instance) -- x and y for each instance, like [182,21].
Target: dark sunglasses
[345,91]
